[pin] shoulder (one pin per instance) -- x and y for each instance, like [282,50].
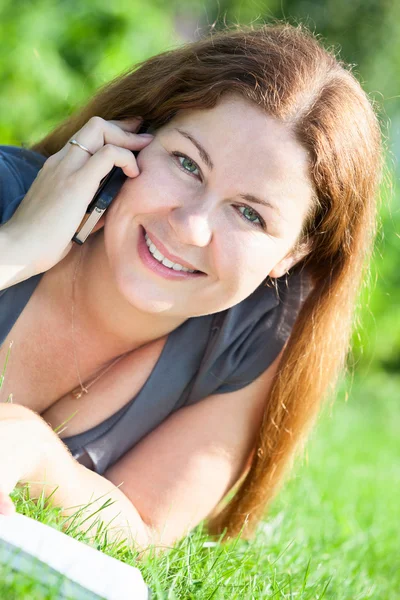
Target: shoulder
[18,169]
[20,164]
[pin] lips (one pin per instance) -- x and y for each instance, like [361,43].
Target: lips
[172,257]
[157,267]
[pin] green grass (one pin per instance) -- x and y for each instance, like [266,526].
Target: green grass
[332,533]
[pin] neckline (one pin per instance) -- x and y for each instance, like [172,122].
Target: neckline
[31,284]
[105,425]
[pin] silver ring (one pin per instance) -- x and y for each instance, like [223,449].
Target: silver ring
[75,143]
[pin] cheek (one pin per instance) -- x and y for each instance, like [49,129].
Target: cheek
[241,269]
[245,261]
[154,189]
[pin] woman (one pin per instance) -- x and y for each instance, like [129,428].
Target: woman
[217,292]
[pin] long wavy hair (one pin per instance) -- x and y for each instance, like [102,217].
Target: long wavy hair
[286,72]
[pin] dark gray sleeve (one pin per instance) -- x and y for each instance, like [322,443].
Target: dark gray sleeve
[265,334]
[18,169]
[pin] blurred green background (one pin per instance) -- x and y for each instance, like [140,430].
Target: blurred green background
[54,54]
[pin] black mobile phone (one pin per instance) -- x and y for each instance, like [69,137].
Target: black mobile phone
[105,194]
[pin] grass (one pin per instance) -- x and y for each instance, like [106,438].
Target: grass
[332,533]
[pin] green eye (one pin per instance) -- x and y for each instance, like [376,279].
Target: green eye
[186,163]
[249,214]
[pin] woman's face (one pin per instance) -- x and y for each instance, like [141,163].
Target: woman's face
[224,190]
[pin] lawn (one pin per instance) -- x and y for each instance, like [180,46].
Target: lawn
[331,533]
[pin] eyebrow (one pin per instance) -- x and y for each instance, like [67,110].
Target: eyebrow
[206,158]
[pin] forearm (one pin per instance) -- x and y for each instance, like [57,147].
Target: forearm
[91,498]
[36,455]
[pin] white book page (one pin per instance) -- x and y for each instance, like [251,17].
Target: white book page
[108,577]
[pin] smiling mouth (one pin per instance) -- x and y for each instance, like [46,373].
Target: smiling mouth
[163,263]
[164,260]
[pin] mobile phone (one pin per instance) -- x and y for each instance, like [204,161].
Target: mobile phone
[105,194]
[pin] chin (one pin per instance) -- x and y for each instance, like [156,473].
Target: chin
[143,296]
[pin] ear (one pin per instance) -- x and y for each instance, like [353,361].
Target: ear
[291,259]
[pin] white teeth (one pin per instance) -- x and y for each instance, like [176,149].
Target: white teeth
[158,255]
[162,259]
[167,263]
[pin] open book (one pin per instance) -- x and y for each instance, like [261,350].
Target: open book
[56,560]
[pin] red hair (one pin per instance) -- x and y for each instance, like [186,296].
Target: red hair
[286,72]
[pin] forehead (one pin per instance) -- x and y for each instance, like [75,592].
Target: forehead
[252,152]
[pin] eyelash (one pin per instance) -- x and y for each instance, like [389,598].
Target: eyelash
[260,224]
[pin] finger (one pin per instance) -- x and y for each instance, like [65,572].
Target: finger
[98,133]
[105,159]
[132,125]
[131,141]
[128,125]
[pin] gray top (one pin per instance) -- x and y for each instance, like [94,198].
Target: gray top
[206,355]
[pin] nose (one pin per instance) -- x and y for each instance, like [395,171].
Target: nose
[192,223]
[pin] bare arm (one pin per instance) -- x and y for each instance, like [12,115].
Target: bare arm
[176,475]
[171,480]
[34,453]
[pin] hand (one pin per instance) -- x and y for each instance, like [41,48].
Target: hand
[56,202]
[26,443]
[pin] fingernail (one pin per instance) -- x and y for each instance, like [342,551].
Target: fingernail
[146,135]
